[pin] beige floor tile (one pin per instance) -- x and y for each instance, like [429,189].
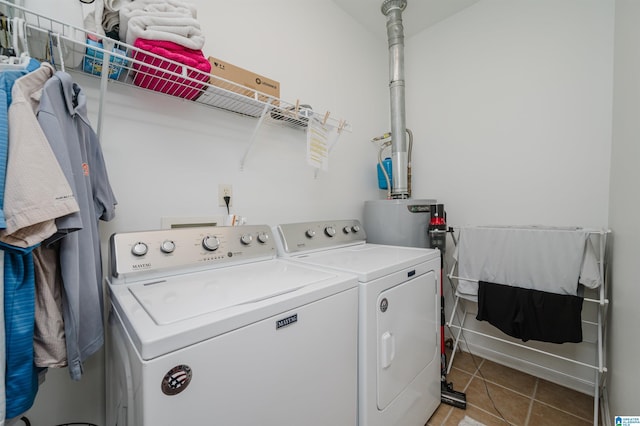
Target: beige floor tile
[508,377]
[459,378]
[440,415]
[565,399]
[510,405]
[454,417]
[476,414]
[543,415]
[513,393]
[466,362]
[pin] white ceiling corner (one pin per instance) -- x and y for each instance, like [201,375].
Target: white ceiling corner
[418,16]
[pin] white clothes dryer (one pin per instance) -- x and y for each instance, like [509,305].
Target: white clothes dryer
[399,309]
[208,327]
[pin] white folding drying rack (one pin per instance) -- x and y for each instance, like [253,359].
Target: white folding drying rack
[66,46]
[599,364]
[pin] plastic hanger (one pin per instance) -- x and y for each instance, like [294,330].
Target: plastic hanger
[14,62]
[19,39]
[5,49]
[13,58]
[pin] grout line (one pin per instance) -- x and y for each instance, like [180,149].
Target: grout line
[492,414]
[480,365]
[533,399]
[478,375]
[444,421]
[565,412]
[535,390]
[498,384]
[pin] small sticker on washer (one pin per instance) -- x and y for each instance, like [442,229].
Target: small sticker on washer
[384,305]
[176,380]
[286,321]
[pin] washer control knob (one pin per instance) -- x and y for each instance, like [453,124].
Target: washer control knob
[346,229]
[246,239]
[355,228]
[167,246]
[263,237]
[139,249]
[210,243]
[310,233]
[330,231]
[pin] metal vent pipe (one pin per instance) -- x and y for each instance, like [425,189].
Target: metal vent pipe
[393,9]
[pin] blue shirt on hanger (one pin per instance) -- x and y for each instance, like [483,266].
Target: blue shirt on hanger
[18,389]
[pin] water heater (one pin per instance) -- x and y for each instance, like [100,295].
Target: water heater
[398,222]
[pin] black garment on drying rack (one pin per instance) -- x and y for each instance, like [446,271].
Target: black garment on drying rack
[531,314]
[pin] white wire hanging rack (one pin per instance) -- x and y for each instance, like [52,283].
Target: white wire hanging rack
[459,324]
[66,47]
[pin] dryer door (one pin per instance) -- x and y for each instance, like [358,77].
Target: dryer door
[407,333]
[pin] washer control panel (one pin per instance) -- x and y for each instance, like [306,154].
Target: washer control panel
[194,248]
[299,237]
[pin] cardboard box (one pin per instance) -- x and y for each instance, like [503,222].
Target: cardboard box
[248,79]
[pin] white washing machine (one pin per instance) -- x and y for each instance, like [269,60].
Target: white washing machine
[208,327]
[399,308]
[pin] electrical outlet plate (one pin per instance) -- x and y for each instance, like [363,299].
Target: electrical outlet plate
[224,189]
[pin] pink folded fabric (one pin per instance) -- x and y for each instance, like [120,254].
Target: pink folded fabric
[150,77]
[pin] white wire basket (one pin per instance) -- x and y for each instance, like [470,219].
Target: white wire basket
[72,48]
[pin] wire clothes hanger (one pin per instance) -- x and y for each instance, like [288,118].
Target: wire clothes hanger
[50,55]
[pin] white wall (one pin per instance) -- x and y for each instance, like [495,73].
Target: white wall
[319,57]
[510,103]
[624,204]
[166,156]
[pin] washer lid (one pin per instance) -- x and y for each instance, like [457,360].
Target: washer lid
[369,261]
[164,315]
[189,296]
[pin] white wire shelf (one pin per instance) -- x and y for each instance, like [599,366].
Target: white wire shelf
[66,47]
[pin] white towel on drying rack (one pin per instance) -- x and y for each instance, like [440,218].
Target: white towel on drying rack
[554,260]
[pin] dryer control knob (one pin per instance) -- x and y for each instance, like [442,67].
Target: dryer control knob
[355,228]
[167,246]
[246,239]
[346,229]
[310,233]
[139,249]
[330,231]
[263,237]
[210,243]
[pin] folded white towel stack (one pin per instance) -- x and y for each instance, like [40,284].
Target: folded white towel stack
[169,20]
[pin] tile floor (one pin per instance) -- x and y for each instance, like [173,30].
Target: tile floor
[521,399]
